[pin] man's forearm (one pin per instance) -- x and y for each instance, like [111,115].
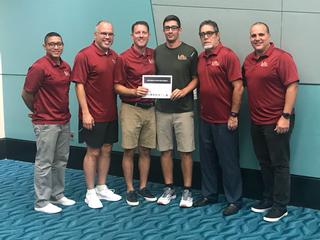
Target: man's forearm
[81,95]
[28,99]
[236,96]
[290,98]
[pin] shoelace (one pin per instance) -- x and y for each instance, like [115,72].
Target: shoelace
[186,195]
[111,190]
[167,193]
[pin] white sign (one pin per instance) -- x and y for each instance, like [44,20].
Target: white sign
[160,86]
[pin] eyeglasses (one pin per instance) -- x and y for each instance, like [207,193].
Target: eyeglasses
[209,34]
[55,44]
[106,34]
[173,28]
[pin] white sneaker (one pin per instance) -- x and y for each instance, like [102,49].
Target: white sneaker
[186,199]
[167,195]
[92,200]
[49,208]
[107,194]
[65,201]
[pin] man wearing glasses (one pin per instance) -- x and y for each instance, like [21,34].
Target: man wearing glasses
[46,94]
[95,68]
[137,114]
[178,59]
[220,95]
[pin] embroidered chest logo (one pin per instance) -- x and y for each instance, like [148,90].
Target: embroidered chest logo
[151,61]
[66,73]
[264,64]
[182,57]
[114,61]
[215,63]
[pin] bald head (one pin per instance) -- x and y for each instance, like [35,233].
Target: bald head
[261,23]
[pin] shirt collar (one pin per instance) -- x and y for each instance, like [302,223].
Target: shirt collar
[139,54]
[265,54]
[99,51]
[54,63]
[214,51]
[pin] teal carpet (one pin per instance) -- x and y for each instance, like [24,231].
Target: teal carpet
[147,221]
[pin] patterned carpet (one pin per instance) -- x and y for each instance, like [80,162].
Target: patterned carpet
[147,221]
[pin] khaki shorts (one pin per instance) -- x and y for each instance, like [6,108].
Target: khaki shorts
[183,126]
[138,126]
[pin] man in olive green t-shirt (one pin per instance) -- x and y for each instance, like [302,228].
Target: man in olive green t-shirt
[175,115]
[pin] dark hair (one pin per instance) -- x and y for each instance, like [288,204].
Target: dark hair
[51,34]
[172,18]
[261,23]
[144,23]
[211,23]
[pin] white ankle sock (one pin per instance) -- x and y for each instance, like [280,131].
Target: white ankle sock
[101,187]
[91,191]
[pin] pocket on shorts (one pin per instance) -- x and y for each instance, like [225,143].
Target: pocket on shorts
[39,128]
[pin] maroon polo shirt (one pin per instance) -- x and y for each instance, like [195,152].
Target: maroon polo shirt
[49,83]
[216,72]
[97,70]
[267,78]
[134,65]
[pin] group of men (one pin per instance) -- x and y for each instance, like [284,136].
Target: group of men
[99,74]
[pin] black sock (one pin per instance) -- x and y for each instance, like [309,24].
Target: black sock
[169,185]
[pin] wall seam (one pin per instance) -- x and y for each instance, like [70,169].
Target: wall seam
[2,123]
[154,25]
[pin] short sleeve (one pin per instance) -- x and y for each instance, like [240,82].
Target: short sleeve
[287,69]
[120,75]
[34,79]
[80,69]
[194,62]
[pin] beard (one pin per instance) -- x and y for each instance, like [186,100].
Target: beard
[208,46]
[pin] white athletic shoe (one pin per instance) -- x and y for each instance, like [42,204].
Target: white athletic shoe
[186,199]
[107,194]
[92,200]
[49,208]
[167,195]
[65,201]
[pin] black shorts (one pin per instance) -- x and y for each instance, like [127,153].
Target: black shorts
[101,133]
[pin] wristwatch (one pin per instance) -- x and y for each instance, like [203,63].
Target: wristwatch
[234,114]
[286,115]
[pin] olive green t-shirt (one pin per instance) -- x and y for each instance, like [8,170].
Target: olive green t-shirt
[181,63]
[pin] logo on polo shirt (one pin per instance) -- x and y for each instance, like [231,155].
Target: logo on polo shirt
[264,64]
[66,73]
[215,63]
[114,60]
[151,61]
[182,57]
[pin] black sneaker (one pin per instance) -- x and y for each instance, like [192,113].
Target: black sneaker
[203,201]
[275,214]
[147,195]
[132,198]
[261,206]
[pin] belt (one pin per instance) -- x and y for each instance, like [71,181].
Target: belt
[141,104]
